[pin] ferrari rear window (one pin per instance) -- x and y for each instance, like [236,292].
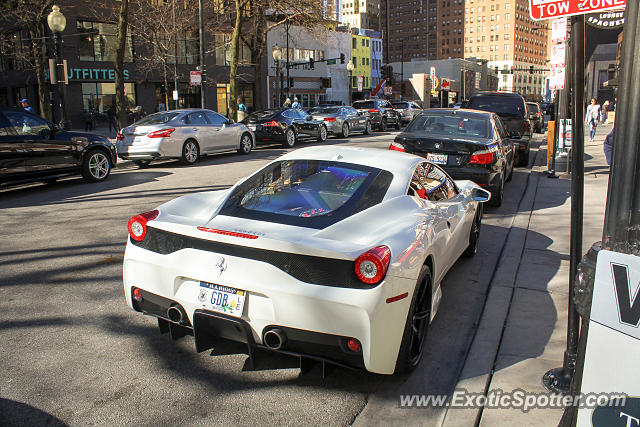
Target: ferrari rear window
[309,193]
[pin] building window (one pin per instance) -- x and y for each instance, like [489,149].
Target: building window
[98,41]
[223,51]
[99,96]
[354,43]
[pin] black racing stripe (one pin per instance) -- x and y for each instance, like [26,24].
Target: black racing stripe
[306,268]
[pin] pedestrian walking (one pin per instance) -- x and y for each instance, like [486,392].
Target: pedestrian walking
[608,146]
[25,105]
[591,118]
[111,118]
[287,103]
[88,119]
[242,110]
[296,104]
[603,113]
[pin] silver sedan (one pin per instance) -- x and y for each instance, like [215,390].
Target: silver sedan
[407,109]
[342,120]
[182,134]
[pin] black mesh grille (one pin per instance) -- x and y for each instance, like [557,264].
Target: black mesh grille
[306,268]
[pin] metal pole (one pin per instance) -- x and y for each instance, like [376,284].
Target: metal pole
[276,102]
[175,54]
[60,77]
[401,67]
[203,66]
[286,26]
[350,89]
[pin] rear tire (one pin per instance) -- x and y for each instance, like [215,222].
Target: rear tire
[246,144]
[345,130]
[190,152]
[383,125]
[497,194]
[474,234]
[416,326]
[367,128]
[142,163]
[96,165]
[289,138]
[322,133]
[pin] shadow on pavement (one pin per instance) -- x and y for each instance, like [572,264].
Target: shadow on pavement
[14,413]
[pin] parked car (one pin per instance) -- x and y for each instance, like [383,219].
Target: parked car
[512,110]
[380,112]
[182,134]
[536,117]
[285,125]
[342,121]
[468,144]
[407,109]
[32,149]
[300,257]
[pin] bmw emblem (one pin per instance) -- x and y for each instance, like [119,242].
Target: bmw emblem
[437,146]
[221,265]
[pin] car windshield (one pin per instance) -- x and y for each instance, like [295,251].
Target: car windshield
[502,105]
[452,125]
[400,104]
[362,105]
[533,107]
[310,193]
[263,114]
[324,110]
[157,118]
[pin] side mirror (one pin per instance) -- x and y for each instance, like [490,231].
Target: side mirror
[230,122]
[480,195]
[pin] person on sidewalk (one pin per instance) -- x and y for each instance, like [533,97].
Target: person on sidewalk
[592,117]
[603,113]
[111,118]
[296,104]
[88,119]
[287,103]
[242,110]
[25,105]
[608,146]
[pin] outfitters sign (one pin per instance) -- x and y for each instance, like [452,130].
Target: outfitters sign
[100,74]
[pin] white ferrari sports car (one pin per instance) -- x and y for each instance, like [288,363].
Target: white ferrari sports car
[333,254]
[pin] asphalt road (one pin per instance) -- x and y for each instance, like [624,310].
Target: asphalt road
[73,353]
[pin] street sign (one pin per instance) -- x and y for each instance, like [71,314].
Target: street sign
[195,78]
[556,78]
[559,30]
[175,95]
[558,54]
[434,79]
[360,83]
[446,84]
[547,9]
[331,62]
[388,90]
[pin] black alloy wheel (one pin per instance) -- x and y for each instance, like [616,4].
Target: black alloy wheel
[474,234]
[497,194]
[96,165]
[289,138]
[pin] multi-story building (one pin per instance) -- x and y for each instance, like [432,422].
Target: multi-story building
[376,58]
[333,10]
[502,32]
[361,57]
[363,14]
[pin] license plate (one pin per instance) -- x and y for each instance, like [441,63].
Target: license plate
[439,159]
[137,139]
[222,299]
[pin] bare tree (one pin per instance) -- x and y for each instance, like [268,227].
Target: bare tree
[29,14]
[123,23]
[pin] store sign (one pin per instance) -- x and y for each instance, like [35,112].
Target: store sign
[607,20]
[432,74]
[360,83]
[559,30]
[101,74]
[613,342]
[558,55]
[547,9]
[195,78]
[446,84]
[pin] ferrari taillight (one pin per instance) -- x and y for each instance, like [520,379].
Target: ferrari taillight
[374,110]
[395,146]
[329,119]
[271,123]
[138,224]
[371,266]
[161,133]
[120,137]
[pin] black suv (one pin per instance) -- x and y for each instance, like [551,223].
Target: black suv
[32,149]
[380,112]
[512,110]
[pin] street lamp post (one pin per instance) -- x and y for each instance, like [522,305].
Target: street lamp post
[57,23]
[276,52]
[350,68]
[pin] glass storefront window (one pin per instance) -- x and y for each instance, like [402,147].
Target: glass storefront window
[98,41]
[223,51]
[99,96]
[245,92]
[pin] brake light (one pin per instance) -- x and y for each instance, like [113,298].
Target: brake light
[396,146]
[271,123]
[120,137]
[371,266]
[353,345]
[138,224]
[163,133]
[374,110]
[228,233]
[484,157]
[329,119]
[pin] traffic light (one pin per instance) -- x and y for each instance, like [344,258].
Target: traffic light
[531,69]
[311,63]
[290,81]
[342,58]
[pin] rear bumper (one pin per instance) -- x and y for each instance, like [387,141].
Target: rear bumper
[140,156]
[481,176]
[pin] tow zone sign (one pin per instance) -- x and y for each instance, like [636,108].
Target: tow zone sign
[547,9]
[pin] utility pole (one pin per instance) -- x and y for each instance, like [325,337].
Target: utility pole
[175,56]
[286,27]
[401,67]
[203,66]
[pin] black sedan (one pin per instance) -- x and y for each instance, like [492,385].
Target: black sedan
[32,149]
[286,125]
[468,144]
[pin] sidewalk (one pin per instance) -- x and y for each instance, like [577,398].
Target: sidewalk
[522,333]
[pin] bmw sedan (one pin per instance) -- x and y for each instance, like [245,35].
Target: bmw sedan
[407,109]
[468,144]
[285,125]
[342,121]
[182,134]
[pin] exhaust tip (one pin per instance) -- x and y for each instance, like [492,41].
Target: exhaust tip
[274,338]
[175,314]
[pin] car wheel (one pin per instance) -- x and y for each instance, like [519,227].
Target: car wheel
[416,326]
[513,165]
[367,128]
[322,133]
[398,124]
[474,234]
[523,158]
[96,165]
[142,163]
[345,130]
[289,138]
[190,152]
[245,144]
[383,125]
[496,194]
